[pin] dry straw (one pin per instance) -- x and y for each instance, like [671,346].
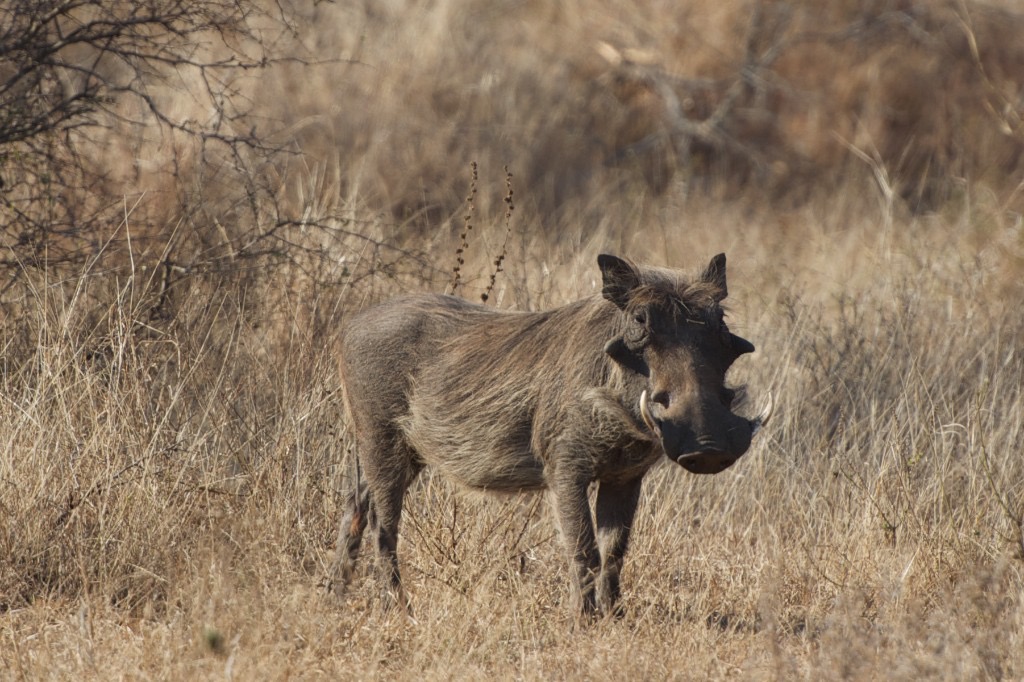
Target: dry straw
[509,207]
[467,219]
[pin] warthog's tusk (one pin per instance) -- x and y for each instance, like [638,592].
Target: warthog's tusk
[761,420]
[645,412]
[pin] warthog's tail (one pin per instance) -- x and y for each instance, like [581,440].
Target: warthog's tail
[350,531]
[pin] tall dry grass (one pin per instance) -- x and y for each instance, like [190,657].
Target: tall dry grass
[171,497]
[172,454]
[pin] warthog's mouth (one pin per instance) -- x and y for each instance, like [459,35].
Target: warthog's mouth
[709,460]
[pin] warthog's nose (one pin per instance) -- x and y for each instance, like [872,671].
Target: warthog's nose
[709,445]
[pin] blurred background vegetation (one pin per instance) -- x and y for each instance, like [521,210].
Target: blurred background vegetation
[207,138]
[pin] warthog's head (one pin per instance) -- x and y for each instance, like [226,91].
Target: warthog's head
[673,333]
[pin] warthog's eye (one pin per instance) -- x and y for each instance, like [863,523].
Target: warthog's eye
[640,318]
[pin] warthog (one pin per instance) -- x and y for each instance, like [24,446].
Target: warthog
[595,391]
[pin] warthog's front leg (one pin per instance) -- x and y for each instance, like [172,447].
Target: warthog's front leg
[578,533]
[616,507]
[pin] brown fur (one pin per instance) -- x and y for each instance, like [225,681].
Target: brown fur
[511,401]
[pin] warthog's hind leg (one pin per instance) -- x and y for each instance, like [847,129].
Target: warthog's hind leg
[389,466]
[616,508]
[387,512]
[358,510]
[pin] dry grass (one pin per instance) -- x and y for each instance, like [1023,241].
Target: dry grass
[171,501]
[171,451]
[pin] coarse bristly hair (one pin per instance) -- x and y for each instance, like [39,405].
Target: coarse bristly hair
[692,299]
[512,401]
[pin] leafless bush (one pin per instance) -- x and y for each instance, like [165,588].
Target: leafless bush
[77,72]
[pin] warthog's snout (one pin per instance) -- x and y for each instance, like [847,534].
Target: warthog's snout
[710,450]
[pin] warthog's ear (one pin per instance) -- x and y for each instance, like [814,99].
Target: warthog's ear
[714,274]
[620,278]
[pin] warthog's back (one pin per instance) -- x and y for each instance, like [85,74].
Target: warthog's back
[463,383]
[382,347]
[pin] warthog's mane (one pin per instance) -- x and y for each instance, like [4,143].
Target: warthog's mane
[687,300]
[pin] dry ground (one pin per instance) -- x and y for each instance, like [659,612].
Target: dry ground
[171,458]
